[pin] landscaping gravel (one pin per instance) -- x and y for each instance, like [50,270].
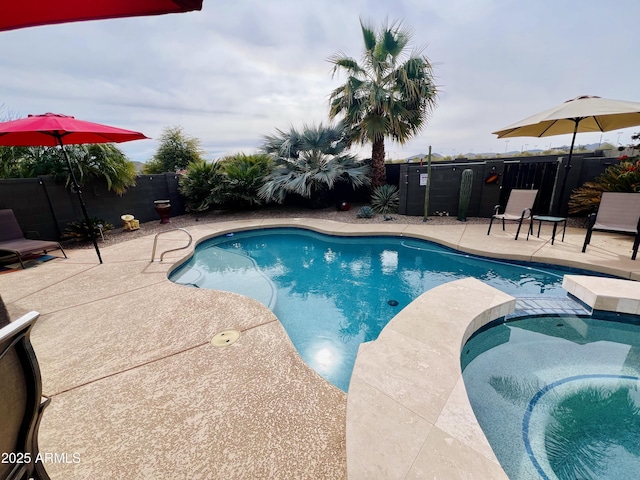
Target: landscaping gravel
[184,221]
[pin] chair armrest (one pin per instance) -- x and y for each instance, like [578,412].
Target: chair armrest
[526,213]
[592,221]
[496,210]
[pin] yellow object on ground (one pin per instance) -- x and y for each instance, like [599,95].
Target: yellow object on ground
[130,223]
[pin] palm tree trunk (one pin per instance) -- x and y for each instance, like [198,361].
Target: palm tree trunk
[378,170]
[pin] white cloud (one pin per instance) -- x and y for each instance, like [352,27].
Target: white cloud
[238,70]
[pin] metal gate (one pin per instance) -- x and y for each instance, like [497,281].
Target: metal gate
[531,175]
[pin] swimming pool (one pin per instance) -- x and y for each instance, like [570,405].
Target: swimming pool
[332,293]
[559,396]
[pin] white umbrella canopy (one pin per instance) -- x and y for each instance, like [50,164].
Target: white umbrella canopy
[580,114]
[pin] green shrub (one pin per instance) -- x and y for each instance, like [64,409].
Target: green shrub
[622,177]
[366,212]
[201,185]
[385,199]
[243,177]
[80,230]
[176,151]
[103,162]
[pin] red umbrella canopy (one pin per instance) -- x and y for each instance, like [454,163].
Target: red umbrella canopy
[51,129]
[30,13]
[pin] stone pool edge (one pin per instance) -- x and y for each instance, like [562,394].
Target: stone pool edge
[408,414]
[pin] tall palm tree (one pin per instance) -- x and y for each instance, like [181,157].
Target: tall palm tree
[391,94]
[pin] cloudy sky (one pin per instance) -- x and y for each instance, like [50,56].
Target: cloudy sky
[240,69]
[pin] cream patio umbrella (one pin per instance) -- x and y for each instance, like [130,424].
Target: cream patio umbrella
[581,114]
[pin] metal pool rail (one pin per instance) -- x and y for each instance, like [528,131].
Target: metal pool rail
[155,243]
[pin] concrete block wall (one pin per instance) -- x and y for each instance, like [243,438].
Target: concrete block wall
[46,206]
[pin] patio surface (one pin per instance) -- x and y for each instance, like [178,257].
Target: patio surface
[138,391]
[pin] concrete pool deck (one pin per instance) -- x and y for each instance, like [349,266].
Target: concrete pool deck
[138,390]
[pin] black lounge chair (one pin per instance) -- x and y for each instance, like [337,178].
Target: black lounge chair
[21,401]
[12,239]
[618,212]
[518,208]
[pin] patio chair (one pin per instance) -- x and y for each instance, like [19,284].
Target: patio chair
[13,240]
[518,208]
[21,401]
[618,212]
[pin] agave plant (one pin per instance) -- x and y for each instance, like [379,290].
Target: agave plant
[385,199]
[80,231]
[366,212]
[310,162]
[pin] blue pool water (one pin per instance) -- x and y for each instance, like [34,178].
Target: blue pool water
[332,293]
[558,397]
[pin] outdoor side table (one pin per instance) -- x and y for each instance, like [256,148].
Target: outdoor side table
[546,218]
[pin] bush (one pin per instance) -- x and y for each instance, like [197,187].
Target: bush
[103,162]
[622,177]
[80,231]
[244,175]
[366,212]
[385,199]
[176,151]
[201,185]
[232,182]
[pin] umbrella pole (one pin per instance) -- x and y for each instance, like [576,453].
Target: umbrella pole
[567,167]
[76,188]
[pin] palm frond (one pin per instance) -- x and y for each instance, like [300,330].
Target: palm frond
[314,161]
[392,43]
[348,64]
[368,35]
[201,185]
[585,426]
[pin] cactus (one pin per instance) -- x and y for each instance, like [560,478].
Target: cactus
[366,212]
[466,183]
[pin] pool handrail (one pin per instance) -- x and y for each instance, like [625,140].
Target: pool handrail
[155,243]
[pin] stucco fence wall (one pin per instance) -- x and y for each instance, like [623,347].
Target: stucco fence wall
[47,207]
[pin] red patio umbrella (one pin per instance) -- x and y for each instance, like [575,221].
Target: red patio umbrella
[52,129]
[30,13]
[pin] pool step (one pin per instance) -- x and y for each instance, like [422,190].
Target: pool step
[527,306]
